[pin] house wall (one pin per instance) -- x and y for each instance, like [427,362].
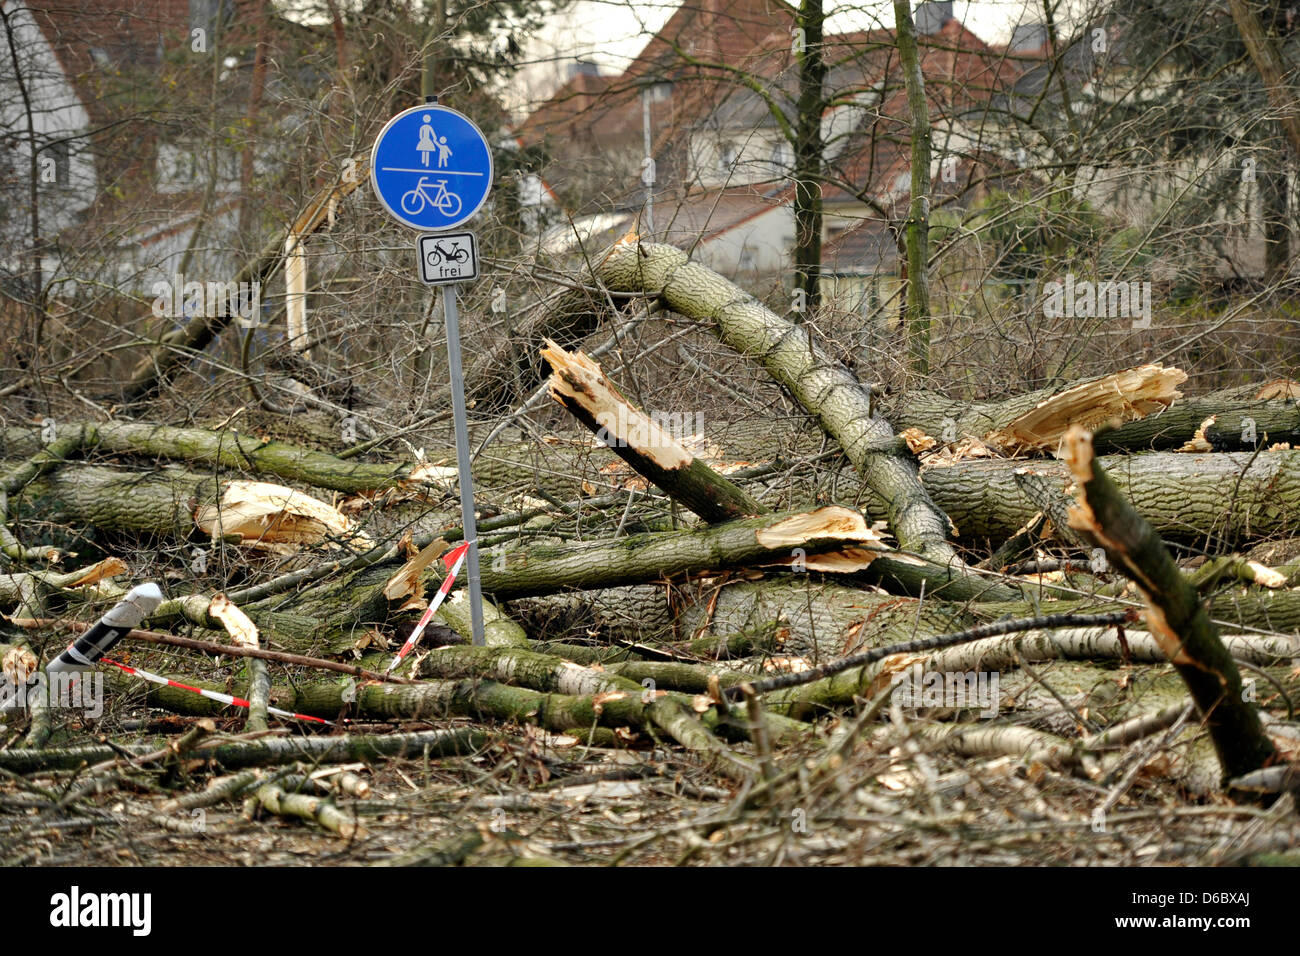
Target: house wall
[57,115]
[758,246]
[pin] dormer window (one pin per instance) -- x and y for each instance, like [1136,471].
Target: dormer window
[184,165]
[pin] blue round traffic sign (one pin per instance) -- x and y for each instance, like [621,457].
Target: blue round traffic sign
[431,167]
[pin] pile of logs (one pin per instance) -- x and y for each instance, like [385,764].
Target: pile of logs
[1111,522]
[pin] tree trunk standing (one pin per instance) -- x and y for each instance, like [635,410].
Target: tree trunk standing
[1274,198]
[917,315]
[808,148]
[247,207]
[1266,56]
[429,85]
[36,304]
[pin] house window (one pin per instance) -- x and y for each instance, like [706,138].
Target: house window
[781,158]
[728,154]
[177,166]
[184,165]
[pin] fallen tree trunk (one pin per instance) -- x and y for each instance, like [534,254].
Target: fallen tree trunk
[816,380]
[775,539]
[227,448]
[173,503]
[796,616]
[1174,613]
[481,699]
[551,674]
[1238,425]
[1229,498]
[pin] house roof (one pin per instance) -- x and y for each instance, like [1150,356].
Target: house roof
[708,214]
[867,249]
[592,124]
[590,117]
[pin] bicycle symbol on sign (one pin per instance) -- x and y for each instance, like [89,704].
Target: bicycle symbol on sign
[438,254]
[447,203]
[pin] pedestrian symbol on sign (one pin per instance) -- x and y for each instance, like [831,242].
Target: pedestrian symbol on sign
[431,142]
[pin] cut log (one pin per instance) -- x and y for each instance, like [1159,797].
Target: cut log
[1174,615]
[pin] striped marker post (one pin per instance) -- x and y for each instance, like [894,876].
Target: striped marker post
[81,655]
[453,559]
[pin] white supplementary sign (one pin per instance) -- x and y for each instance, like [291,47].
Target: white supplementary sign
[447,257]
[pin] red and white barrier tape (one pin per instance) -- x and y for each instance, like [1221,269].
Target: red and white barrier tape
[210,694]
[453,559]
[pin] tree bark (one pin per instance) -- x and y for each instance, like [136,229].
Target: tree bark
[1230,498]
[270,750]
[1175,616]
[1273,70]
[917,316]
[228,449]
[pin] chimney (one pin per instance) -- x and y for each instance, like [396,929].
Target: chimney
[930,16]
[1027,37]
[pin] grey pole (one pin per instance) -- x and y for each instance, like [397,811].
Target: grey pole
[463,460]
[650,186]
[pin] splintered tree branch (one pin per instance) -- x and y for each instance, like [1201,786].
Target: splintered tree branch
[1174,614]
[579,385]
[816,380]
[175,349]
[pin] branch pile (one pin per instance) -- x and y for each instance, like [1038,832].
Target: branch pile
[963,595]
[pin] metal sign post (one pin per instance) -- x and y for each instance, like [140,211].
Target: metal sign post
[464,477]
[432,170]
